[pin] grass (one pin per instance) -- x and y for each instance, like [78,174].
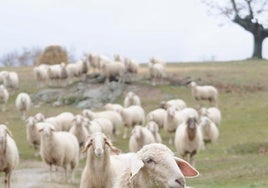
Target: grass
[240,157]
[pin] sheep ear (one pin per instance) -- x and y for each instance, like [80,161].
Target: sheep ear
[87,145]
[9,132]
[41,129]
[186,169]
[136,165]
[113,149]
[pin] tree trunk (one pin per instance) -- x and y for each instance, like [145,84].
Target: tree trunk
[257,52]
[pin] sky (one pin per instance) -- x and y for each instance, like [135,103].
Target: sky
[172,30]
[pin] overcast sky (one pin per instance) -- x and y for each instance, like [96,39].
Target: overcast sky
[173,30]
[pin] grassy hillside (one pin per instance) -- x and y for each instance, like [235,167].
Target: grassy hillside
[240,157]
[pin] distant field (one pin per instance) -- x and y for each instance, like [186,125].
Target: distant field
[240,157]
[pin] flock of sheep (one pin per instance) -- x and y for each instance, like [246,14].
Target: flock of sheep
[63,140]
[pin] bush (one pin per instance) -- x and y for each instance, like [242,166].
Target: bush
[53,54]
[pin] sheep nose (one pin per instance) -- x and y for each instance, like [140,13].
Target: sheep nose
[98,152]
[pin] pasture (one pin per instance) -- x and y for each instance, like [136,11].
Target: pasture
[239,159]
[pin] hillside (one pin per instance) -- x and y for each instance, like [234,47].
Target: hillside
[238,160]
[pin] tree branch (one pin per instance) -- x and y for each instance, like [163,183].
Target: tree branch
[250,9]
[234,7]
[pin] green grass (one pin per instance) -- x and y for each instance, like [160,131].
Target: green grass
[240,157]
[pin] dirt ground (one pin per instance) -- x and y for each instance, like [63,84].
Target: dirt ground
[33,174]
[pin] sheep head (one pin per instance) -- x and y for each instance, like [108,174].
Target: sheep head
[47,129]
[191,127]
[160,167]
[98,141]
[4,131]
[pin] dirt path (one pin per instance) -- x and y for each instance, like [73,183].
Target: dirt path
[36,175]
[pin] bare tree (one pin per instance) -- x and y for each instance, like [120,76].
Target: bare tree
[252,15]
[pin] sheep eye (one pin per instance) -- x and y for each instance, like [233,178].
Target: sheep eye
[150,161]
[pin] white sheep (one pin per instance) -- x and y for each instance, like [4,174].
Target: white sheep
[4,96]
[33,135]
[93,62]
[39,117]
[140,136]
[178,103]
[209,93]
[156,73]
[132,67]
[131,116]
[61,122]
[131,99]
[113,107]
[154,166]
[23,104]
[153,127]
[118,57]
[209,130]
[174,118]
[188,139]
[213,113]
[41,74]
[11,80]
[57,74]
[79,129]
[103,125]
[76,70]
[113,116]
[3,74]
[158,116]
[115,70]
[9,155]
[59,148]
[99,170]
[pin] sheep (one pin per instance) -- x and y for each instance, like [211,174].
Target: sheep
[174,118]
[113,107]
[131,99]
[76,70]
[115,70]
[209,130]
[3,74]
[41,74]
[79,130]
[99,170]
[188,139]
[209,93]
[32,133]
[132,67]
[11,80]
[131,116]
[57,73]
[93,61]
[118,57]
[23,104]
[154,60]
[154,166]
[9,155]
[4,96]
[158,116]
[58,148]
[39,117]
[61,122]
[101,125]
[113,116]
[140,136]
[213,113]
[153,127]
[178,103]
[156,73]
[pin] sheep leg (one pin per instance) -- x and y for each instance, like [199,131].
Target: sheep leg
[50,173]
[7,179]
[170,141]
[125,133]
[192,162]
[36,153]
